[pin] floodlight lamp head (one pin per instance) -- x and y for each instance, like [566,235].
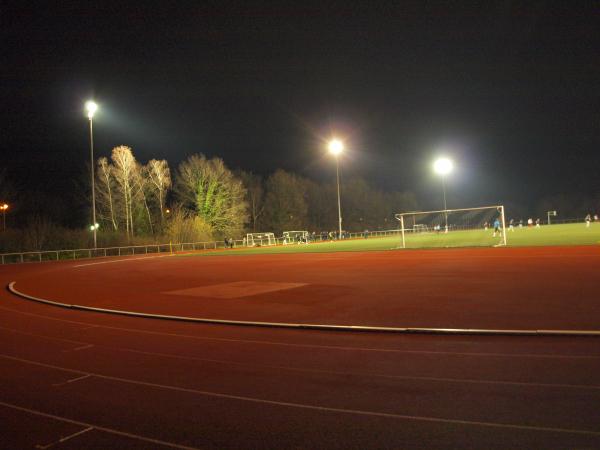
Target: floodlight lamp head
[443,166]
[336,147]
[91,108]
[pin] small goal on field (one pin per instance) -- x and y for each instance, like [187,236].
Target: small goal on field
[260,239]
[467,227]
[295,237]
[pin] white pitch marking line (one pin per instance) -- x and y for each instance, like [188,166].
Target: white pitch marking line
[99,428]
[64,439]
[315,407]
[121,260]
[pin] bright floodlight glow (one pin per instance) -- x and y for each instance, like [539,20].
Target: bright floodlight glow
[443,166]
[336,147]
[91,108]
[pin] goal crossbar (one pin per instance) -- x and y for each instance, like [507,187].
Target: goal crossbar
[500,208]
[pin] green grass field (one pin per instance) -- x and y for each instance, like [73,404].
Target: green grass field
[570,234]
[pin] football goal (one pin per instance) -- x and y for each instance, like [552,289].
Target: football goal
[260,239]
[467,227]
[295,237]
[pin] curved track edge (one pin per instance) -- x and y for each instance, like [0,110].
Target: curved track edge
[309,326]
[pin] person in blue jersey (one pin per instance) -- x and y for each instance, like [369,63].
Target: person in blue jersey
[496,227]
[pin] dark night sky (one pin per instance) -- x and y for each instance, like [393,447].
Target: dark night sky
[510,89]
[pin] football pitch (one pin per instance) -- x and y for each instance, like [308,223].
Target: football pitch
[547,235]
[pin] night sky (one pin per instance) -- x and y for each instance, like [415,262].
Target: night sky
[510,90]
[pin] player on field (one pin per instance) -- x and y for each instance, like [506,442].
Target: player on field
[537,222]
[588,219]
[496,227]
[511,225]
[530,222]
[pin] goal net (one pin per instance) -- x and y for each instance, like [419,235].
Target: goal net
[468,227]
[260,239]
[295,237]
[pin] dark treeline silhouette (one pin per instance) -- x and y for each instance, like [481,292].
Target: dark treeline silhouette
[204,200]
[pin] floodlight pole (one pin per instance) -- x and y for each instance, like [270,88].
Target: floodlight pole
[93,181]
[337,175]
[445,208]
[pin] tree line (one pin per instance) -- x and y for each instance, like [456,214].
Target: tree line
[203,199]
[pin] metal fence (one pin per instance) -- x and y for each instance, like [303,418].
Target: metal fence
[104,252]
[86,253]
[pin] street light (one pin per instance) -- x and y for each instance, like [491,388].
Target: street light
[443,166]
[91,108]
[336,147]
[4,207]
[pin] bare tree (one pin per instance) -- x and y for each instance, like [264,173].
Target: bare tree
[141,184]
[124,167]
[104,192]
[159,177]
[209,188]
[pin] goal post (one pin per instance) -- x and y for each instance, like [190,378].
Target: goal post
[260,239]
[295,237]
[466,227]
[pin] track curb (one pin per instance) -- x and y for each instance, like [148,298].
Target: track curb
[309,326]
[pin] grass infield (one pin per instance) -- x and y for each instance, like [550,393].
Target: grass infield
[547,235]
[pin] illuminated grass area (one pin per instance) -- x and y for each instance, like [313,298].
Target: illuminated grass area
[570,234]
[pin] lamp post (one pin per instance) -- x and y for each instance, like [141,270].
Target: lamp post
[91,108]
[336,147]
[4,207]
[443,166]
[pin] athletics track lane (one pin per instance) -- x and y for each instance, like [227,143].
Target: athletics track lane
[503,288]
[215,387]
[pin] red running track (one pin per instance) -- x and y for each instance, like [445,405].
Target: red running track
[507,288]
[75,379]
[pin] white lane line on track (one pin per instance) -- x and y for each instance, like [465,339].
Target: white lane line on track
[83,347]
[72,380]
[121,260]
[64,439]
[365,374]
[97,427]
[312,407]
[330,372]
[311,346]
[50,338]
